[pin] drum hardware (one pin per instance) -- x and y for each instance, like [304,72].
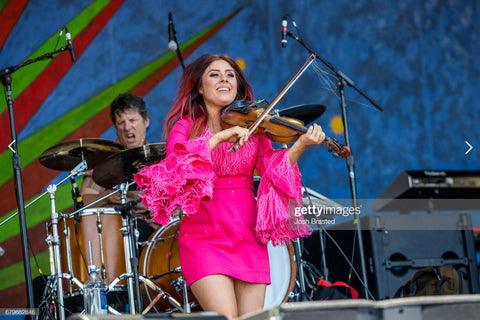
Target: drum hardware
[57,267]
[158,276]
[163,269]
[131,260]
[66,233]
[54,240]
[181,286]
[164,295]
[100,242]
[301,295]
[78,170]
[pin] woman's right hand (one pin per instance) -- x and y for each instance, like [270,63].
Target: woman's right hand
[234,134]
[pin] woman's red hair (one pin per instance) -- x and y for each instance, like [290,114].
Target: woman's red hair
[189,102]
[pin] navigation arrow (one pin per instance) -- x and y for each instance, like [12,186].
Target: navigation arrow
[466,152]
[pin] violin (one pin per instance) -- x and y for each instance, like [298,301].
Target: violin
[279,129]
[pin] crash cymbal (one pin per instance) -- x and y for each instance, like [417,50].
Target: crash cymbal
[65,156]
[121,167]
[304,112]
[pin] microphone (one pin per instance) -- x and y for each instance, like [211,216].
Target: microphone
[172,44]
[70,44]
[77,202]
[77,197]
[284,32]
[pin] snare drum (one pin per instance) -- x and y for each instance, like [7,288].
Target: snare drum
[101,227]
[161,262]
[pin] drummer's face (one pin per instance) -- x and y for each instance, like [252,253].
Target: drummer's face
[131,128]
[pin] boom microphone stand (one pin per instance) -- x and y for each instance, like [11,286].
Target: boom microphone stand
[6,79]
[342,80]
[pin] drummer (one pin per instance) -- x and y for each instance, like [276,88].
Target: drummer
[131,120]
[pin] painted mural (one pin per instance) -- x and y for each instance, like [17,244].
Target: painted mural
[417,59]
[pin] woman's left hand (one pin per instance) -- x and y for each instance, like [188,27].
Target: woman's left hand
[312,137]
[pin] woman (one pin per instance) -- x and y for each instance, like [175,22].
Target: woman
[223,237]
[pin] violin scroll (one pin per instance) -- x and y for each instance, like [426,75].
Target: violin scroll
[339,150]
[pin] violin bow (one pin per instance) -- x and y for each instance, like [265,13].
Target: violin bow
[275,101]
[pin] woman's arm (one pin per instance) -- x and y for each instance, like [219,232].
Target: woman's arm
[313,136]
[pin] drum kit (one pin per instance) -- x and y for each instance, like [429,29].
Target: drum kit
[94,236]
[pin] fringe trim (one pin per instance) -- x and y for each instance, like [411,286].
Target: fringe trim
[182,179]
[279,193]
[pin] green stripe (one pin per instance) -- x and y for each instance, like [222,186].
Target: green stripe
[3,3]
[33,146]
[38,212]
[49,136]
[25,76]
[13,275]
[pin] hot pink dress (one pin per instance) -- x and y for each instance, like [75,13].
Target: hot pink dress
[225,229]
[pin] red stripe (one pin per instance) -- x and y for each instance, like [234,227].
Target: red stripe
[35,94]
[35,176]
[39,175]
[9,17]
[13,246]
[14,297]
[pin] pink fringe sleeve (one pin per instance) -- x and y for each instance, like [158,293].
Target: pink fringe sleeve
[182,179]
[279,193]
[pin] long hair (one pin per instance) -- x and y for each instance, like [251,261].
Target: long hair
[189,102]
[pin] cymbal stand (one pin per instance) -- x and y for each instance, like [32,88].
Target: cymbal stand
[57,270]
[131,260]
[53,240]
[79,170]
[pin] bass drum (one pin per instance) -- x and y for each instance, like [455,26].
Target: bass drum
[283,271]
[161,263]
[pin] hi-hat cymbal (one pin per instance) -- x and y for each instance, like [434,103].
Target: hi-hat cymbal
[121,167]
[65,156]
[304,112]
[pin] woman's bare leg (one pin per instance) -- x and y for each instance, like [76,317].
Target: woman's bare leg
[216,293]
[250,296]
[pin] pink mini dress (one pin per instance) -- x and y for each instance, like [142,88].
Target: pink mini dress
[225,229]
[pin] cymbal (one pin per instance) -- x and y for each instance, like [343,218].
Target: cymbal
[65,156]
[121,167]
[304,112]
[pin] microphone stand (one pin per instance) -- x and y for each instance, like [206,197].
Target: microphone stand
[179,54]
[342,80]
[6,80]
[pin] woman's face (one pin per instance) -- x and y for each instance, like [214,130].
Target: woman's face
[219,84]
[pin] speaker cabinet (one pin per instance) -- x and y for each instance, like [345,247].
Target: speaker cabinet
[417,308]
[395,247]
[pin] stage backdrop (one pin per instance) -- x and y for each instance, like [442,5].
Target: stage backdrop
[417,59]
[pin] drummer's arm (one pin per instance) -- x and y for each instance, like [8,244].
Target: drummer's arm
[90,191]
